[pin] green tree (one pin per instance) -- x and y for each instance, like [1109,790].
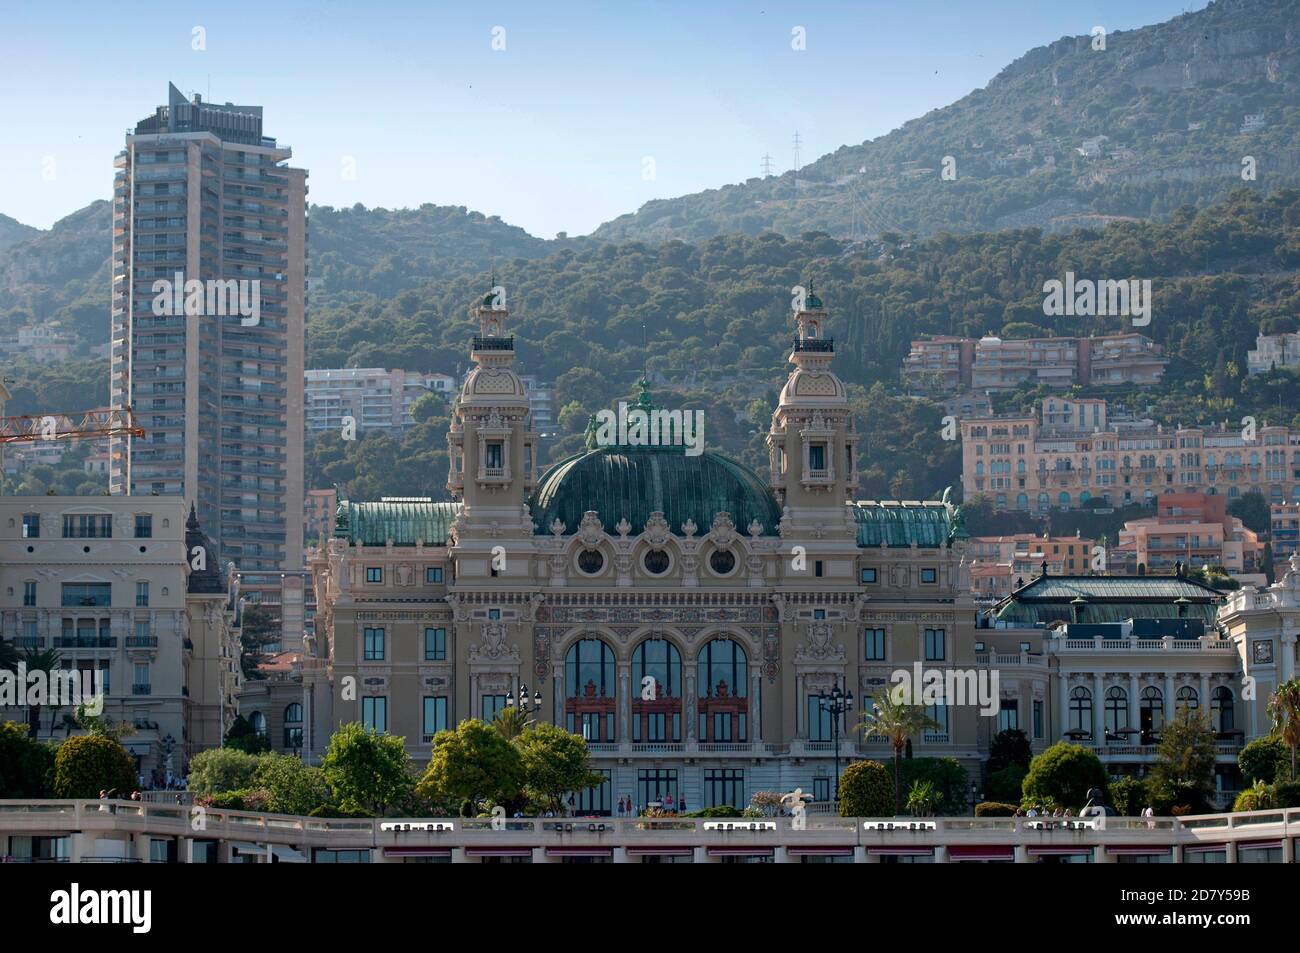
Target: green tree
[1063,774]
[221,769]
[294,787]
[259,627]
[1263,759]
[1253,511]
[367,768]
[47,662]
[866,790]
[1284,710]
[25,765]
[1185,760]
[555,762]
[1009,746]
[84,765]
[512,722]
[427,406]
[473,762]
[894,719]
[242,737]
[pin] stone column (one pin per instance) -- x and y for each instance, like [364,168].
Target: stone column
[1098,724]
[755,708]
[1134,686]
[1203,699]
[1288,656]
[1169,698]
[689,709]
[624,705]
[1063,725]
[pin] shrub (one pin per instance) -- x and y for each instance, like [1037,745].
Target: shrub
[1009,747]
[329,810]
[87,764]
[26,766]
[1257,797]
[1006,785]
[1063,774]
[724,810]
[950,780]
[1130,796]
[221,769]
[1286,794]
[866,790]
[293,787]
[1264,759]
[994,809]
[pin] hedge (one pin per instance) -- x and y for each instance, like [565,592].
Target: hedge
[867,790]
[84,765]
[995,809]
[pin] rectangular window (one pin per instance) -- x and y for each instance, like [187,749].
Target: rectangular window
[86,593]
[929,575]
[87,526]
[934,645]
[374,712]
[29,593]
[140,683]
[374,574]
[435,645]
[1038,719]
[817,568]
[873,645]
[31,525]
[494,614]
[819,614]
[596,800]
[821,789]
[374,645]
[656,786]
[433,574]
[435,716]
[817,456]
[725,787]
[143,526]
[142,594]
[819,720]
[1008,714]
[489,705]
[493,461]
[868,574]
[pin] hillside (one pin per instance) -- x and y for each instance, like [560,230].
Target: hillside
[1171,100]
[12,231]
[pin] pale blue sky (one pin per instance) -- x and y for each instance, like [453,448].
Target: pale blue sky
[549,133]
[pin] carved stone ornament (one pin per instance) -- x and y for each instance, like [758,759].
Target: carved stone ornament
[723,531]
[623,528]
[656,529]
[557,527]
[689,529]
[819,647]
[755,528]
[493,647]
[590,530]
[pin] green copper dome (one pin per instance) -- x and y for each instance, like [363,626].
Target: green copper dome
[633,482]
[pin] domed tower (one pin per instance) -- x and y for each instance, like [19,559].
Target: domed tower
[813,440]
[493,448]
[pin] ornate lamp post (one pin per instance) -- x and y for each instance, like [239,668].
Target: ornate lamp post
[836,703]
[526,706]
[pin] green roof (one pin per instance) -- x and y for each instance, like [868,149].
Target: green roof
[633,482]
[404,522]
[1108,599]
[929,524]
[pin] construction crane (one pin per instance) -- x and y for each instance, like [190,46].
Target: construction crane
[30,428]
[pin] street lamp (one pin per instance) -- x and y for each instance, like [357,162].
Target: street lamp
[525,706]
[836,703]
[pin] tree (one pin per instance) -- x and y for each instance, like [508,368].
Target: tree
[512,722]
[949,780]
[1263,759]
[25,765]
[242,737]
[1284,710]
[1009,747]
[1253,511]
[426,406]
[221,769]
[367,768]
[294,787]
[896,720]
[866,790]
[1063,774]
[87,764]
[473,762]
[554,762]
[45,661]
[1185,760]
[258,628]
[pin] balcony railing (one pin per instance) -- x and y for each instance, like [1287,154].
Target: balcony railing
[494,343]
[139,689]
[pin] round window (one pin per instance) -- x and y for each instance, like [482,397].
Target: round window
[722,561]
[591,561]
[656,562]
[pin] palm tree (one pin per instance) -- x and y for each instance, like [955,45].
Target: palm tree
[893,718]
[39,660]
[511,722]
[1284,709]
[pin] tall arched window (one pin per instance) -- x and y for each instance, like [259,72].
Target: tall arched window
[1081,710]
[1151,713]
[1186,700]
[590,689]
[1221,716]
[293,725]
[723,685]
[1116,709]
[656,692]
[258,721]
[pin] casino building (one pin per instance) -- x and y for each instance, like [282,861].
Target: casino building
[681,613]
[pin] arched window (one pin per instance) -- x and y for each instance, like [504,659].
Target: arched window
[293,725]
[656,692]
[1022,501]
[1186,700]
[1221,710]
[1151,712]
[1064,499]
[723,685]
[1044,502]
[590,687]
[1081,710]
[258,721]
[1116,709]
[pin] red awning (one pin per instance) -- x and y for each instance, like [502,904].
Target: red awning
[661,851]
[982,852]
[579,852]
[1260,845]
[1203,848]
[417,851]
[1135,849]
[740,852]
[901,851]
[498,852]
[821,851]
[1060,851]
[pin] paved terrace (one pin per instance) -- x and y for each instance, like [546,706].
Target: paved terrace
[123,831]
